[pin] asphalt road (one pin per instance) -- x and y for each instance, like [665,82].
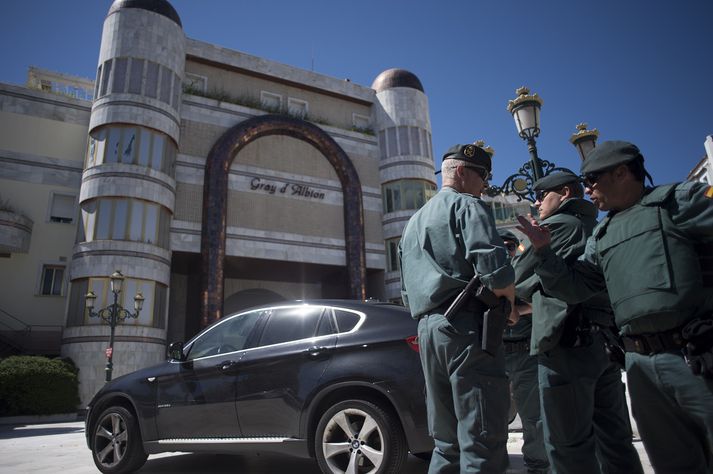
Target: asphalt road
[61,448]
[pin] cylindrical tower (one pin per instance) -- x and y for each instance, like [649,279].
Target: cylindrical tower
[127,193]
[406,166]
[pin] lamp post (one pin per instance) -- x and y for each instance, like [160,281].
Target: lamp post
[525,110]
[114,314]
[584,140]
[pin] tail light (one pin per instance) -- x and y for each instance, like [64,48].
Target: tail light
[412,342]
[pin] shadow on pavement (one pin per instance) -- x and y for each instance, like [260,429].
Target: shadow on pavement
[20,431]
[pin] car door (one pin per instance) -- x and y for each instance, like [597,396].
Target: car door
[274,378]
[198,399]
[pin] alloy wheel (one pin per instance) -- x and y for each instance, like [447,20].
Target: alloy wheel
[353,443]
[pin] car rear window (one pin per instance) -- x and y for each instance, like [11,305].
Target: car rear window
[291,324]
[346,320]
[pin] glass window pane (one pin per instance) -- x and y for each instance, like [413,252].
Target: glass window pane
[227,336]
[47,277]
[144,147]
[98,81]
[105,78]
[157,154]
[103,219]
[91,150]
[57,281]
[128,143]
[137,71]
[118,231]
[415,141]
[291,324]
[89,217]
[151,88]
[137,218]
[165,84]
[382,145]
[346,320]
[404,147]
[112,147]
[151,223]
[119,75]
[101,146]
[391,138]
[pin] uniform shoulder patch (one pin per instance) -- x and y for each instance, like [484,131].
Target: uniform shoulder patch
[709,192]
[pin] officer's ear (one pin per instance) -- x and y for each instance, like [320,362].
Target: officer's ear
[565,192]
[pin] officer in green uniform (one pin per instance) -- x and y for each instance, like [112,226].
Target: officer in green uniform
[450,239]
[584,411]
[646,254]
[521,368]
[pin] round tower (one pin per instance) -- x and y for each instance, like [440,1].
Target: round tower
[127,192]
[406,165]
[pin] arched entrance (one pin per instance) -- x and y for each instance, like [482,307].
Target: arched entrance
[215,193]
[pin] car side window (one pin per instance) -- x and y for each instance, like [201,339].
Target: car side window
[291,324]
[346,320]
[229,336]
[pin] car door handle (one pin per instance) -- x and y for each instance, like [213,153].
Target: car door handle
[228,365]
[315,352]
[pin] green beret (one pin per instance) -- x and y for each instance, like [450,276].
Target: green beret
[472,154]
[608,155]
[555,180]
[507,235]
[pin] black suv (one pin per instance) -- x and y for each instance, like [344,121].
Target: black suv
[337,380]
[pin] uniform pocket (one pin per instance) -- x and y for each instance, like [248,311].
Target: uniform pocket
[563,421]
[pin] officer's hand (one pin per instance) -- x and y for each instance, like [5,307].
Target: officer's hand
[539,235]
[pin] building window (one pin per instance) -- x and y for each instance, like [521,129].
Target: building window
[62,208]
[297,108]
[392,254]
[52,279]
[271,102]
[135,220]
[193,83]
[407,194]
[149,289]
[131,145]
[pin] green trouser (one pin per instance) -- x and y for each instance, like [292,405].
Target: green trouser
[585,416]
[673,410]
[522,371]
[466,396]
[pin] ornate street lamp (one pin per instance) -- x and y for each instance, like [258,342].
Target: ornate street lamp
[525,110]
[114,314]
[584,140]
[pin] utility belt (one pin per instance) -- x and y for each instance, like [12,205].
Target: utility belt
[694,340]
[520,345]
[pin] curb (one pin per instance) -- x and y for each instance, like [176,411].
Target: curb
[41,419]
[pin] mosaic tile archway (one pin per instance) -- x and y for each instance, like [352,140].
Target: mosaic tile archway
[215,203]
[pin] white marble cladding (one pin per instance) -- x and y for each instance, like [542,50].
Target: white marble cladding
[244,242]
[102,257]
[416,167]
[190,170]
[139,33]
[38,169]
[282,71]
[23,101]
[15,232]
[402,106]
[394,223]
[137,110]
[122,180]
[88,353]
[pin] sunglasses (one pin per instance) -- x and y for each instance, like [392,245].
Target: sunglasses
[540,195]
[484,175]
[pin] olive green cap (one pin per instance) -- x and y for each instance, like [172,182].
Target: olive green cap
[472,154]
[608,155]
[507,235]
[555,180]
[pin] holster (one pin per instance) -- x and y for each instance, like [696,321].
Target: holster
[494,322]
[698,351]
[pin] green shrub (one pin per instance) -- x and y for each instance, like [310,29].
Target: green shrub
[31,385]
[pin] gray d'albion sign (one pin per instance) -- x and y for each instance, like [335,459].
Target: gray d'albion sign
[291,189]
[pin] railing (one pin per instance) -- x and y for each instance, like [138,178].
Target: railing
[17,337]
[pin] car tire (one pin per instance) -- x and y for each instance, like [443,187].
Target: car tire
[116,442]
[358,437]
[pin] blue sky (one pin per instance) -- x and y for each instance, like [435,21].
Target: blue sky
[636,70]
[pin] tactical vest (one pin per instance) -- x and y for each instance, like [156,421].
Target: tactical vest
[652,270]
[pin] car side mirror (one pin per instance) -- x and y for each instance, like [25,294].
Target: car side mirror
[175,351]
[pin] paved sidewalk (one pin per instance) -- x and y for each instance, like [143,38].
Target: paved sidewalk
[61,447]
